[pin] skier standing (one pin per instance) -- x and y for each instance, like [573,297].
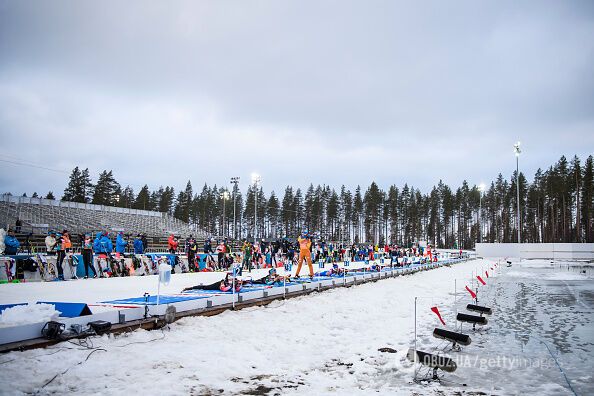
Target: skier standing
[87,255]
[247,255]
[304,254]
[144,242]
[61,250]
[192,249]
[50,243]
[208,248]
[138,245]
[121,244]
[221,254]
[172,243]
[102,245]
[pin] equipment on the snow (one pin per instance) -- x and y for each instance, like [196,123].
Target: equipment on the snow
[434,361]
[100,326]
[147,270]
[475,320]
[477,308]
[455,338]
[9,266]
[122,264]
[73,264]
[45,268]
[52,330]
[135,262]
[103,269]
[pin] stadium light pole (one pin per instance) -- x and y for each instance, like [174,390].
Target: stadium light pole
[517,151]
[481,188]
[235,182]
[225,197]
[255,180]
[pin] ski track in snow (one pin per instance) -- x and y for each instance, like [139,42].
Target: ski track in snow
[328,343]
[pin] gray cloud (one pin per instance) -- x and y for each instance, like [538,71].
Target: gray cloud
[323,92]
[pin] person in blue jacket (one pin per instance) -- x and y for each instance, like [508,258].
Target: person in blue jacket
[12,244]
[121,243]
[96,242]
[138,245]
[102,244]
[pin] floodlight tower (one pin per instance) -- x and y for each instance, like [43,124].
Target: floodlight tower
[256,179]
[224,197]
[235,182]
[481,188]
[517,151]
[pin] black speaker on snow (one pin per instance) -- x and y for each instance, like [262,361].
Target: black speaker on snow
[434,361]
[456,338]
[480,309]
[475,320]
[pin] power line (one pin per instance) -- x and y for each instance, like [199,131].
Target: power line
[22,162]
[33,166]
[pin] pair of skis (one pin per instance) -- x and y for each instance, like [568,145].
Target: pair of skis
[47,270]
[10,267]
[73,263]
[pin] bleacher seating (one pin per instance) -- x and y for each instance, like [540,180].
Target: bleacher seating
[40,215]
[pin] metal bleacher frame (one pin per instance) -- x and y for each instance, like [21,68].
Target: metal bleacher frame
[38,215]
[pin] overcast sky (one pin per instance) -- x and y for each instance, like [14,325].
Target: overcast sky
[333,92]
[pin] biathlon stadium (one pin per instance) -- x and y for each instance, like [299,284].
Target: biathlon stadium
[445,314]
[296,198]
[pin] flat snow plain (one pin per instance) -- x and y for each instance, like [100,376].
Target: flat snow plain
[327,343]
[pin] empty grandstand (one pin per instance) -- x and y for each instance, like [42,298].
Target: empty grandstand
[39,215]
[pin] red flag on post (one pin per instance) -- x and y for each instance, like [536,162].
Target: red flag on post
[436,312]
[472,294]
[481,280]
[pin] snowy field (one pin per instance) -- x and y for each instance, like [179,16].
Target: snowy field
[327,343]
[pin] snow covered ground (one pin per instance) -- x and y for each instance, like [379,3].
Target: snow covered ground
[328,342]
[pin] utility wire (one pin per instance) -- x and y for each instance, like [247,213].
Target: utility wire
[33,166]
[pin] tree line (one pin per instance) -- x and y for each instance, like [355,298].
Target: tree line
[556,206]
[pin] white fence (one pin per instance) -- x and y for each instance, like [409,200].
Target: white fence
[555,251]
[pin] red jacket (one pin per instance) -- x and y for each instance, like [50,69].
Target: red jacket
[172,242]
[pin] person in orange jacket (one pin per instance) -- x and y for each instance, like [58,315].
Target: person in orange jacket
[172,242]
[63,244]
[66,242]
[304,253]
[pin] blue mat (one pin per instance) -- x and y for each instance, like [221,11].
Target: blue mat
[152,300]
[200,294]
[69,309]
